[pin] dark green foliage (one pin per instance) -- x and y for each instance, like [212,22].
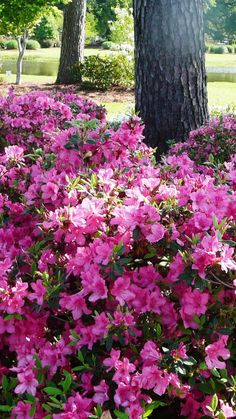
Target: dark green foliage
[106,72]
[220,19]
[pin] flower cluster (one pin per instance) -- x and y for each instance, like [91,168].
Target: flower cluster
[117,275]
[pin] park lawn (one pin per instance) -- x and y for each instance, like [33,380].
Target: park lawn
[220,94]
[26,79]
[53,54]
[44,54]
[221,60]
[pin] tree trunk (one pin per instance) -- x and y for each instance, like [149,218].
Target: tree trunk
[73,37]
[21,43]
[171,84]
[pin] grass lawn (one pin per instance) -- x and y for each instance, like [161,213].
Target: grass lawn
[219,95]
[28,79]
[221,60]
[53,54]
[44,54]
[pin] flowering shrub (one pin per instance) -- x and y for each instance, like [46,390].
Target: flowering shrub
[117,276]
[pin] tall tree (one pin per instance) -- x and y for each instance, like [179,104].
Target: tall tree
[18,18]
[171,85]
[73,38]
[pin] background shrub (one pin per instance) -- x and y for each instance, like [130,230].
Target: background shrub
[47,43]
[106,72]
[12,44]
[3,42]
[32,44]
[231,49]
[109,45]
[218,49]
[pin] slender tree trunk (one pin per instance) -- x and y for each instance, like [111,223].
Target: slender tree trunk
[171,83]
[21,42]
[73,37]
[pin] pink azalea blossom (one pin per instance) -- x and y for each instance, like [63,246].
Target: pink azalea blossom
[28,383]
[216,350]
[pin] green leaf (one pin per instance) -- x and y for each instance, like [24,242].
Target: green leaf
[66,383]
[214,402]
[80,356]
[150,408]
[221,415]
[118,268]
[53,390]
[215,372]
[37,361]
[47,408]
[79,368]
[158,330]
[4,383]
[32,410]
[119,249]
[4,408]
[30,398]
[190,361]
[121,415]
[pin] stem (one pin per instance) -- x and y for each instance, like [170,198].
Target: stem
[21,43]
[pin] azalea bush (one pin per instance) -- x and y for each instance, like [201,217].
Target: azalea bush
[117,286]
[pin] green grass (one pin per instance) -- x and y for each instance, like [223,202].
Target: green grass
[44,54]
[221,60]
[53,54]
[28,79]
[220,94]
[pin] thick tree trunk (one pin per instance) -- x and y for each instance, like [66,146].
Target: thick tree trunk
[21,43]
[171,84]
[73,37]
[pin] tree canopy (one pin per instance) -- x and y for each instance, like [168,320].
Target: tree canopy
[103,11]
[20,16]
[220,19]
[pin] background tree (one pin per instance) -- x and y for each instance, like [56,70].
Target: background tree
[49,28]
[18,18]
[171,91]
[73,39]
[220,19]
[104,13]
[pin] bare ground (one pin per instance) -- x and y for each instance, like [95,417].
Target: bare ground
[112,95]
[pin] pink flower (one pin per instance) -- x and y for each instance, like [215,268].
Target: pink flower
[101,395]
[121,290]
[157,233]
[112,361]
[216,350]
[228,411]
[50,192]
[22,410]
[180,352]
[150,353]
[28,383]
[154,378]
[39,292]
[194,303]
[14,154]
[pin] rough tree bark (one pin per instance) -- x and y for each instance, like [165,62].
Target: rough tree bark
[73,37]
[21,43]
[171,84]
